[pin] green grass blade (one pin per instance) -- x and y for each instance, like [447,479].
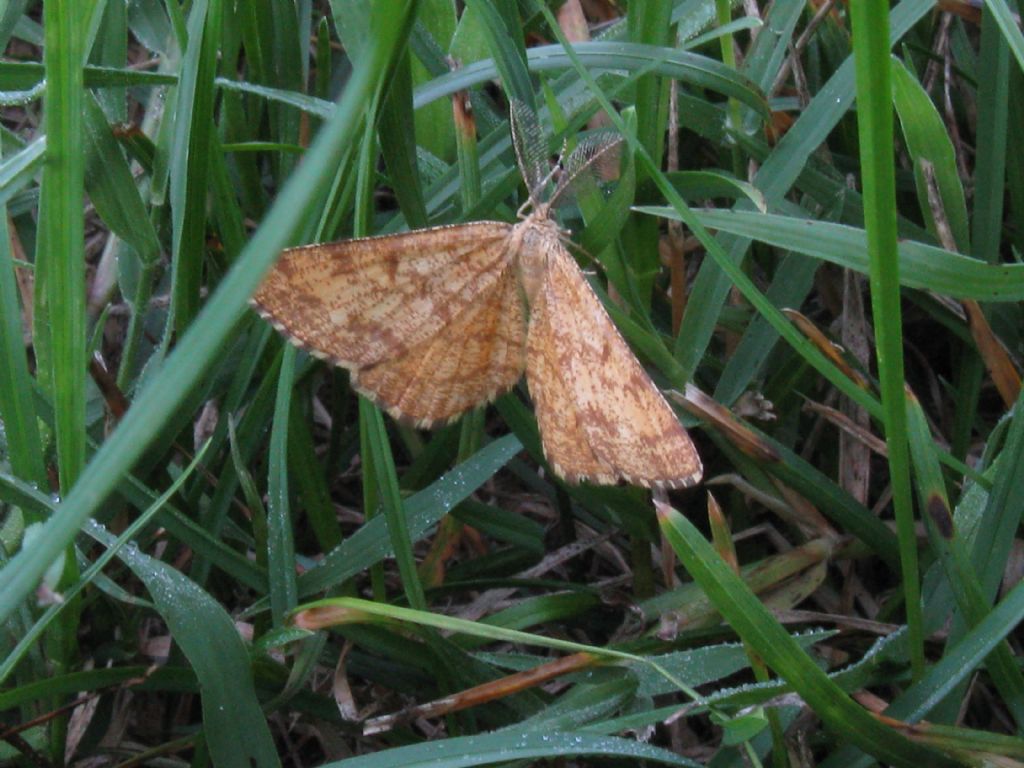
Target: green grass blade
[189,168]
[60,331]
[928,141]
[60,326]
[1009,26]
[398,145]
[926,267]
[395,512]
[112,187]
[990,165]
[508,51]
[17,408]
[280,543]
[994,538]
[308,474]
[874,118]
[18,170]
[949,549]
[501,747]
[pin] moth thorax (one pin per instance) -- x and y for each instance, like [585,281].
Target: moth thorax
[537,238]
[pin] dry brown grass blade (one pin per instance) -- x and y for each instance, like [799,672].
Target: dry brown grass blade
[993,352]
[831,350]
[716,415]
[481,694]
[850,427]
[854,458]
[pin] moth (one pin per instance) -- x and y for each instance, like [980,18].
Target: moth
[434,322]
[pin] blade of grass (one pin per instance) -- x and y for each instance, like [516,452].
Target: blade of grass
[927,267]
[398,145]
[994,538]
[508,52]
[1003,16]
[17,408]
[280,543]
[60,331]
[874,118]
[189,163]
[927,140]
[648,24]
[391,499]
[306,469]
[112,187]
[987,219]
[18,170]
[502,747]
[371,543]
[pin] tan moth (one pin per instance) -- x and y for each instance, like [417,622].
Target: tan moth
[434,322]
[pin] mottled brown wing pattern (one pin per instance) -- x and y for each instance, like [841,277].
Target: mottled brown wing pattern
[626,421]
[566,446]
[361,302]
[477,356]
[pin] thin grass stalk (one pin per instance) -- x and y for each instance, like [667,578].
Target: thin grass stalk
[649,23]
[189,170]
[372,494]
[60,333]
[205,339]
[17,409]
[874,119]
[60,320]
[723,14]
[468,158]
[280,542]
[25,451]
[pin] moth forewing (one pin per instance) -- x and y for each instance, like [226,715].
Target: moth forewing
[365,301]
[624,428]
